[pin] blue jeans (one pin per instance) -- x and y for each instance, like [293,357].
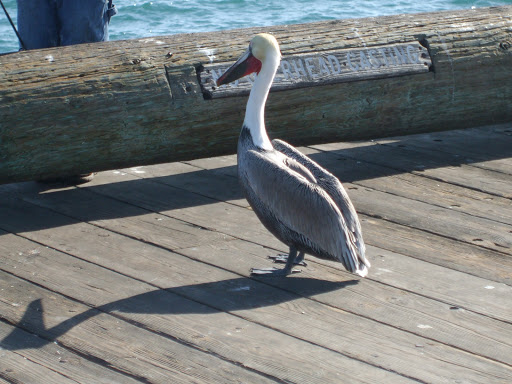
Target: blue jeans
[52,23]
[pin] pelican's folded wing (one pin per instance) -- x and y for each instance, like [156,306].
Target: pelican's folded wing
[303,207]
[332,186]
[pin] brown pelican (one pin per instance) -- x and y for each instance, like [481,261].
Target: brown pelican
[298,201]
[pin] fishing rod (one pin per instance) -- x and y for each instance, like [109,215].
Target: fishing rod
[12,25]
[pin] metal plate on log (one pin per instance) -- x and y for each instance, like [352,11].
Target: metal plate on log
[327,67]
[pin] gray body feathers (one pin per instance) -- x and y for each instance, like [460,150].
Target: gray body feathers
[301,203]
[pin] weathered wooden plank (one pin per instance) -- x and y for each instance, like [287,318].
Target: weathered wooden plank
[480,147]
[220,185]
[357,171]
[20,370]
[125,103]
[400,238]
[166,312]
[445,222]
[378,301]
[250,299]
[478,231]
[136,351]
[438,220]
[450,196]
[439,250]
[384,234]
[448,334]
[77,204]
[433,164]
[474,230]
[50,361]
[119,215]
[413,186]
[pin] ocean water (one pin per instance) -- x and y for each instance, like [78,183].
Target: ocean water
[166,17]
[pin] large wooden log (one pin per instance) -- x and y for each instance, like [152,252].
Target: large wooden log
[93,107]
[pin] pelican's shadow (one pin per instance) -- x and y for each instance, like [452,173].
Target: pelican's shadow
[207,298]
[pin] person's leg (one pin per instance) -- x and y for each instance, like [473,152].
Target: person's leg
[84,21]
[38,23]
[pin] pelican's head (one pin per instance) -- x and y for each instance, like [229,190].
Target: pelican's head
[262,48]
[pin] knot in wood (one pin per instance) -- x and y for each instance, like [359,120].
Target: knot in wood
[505,45]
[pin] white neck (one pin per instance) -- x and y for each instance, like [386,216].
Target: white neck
[255,110]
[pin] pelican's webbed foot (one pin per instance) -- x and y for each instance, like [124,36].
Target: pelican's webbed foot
[283,259]
[272,272]
[291,259]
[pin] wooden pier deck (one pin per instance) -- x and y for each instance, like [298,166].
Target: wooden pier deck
[142,275]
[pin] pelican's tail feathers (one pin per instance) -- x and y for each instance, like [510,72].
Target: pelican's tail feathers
[355,254]
[361,270]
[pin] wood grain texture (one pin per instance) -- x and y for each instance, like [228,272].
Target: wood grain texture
[433,162]
[19,370]
[50,362]
[219,181]
[93,107]
[163,315]
[253,230]
[489,148]
[76,204]
[405,239]
[124,346]
[218,290]
[438,183]
[144,273]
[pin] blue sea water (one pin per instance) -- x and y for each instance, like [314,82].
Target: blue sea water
[165,17]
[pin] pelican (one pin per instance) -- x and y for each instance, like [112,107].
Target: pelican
[297,200]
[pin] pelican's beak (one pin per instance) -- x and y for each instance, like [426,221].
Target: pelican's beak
[244,66]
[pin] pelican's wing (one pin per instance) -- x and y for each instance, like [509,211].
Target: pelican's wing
[332,186]
[302,206]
